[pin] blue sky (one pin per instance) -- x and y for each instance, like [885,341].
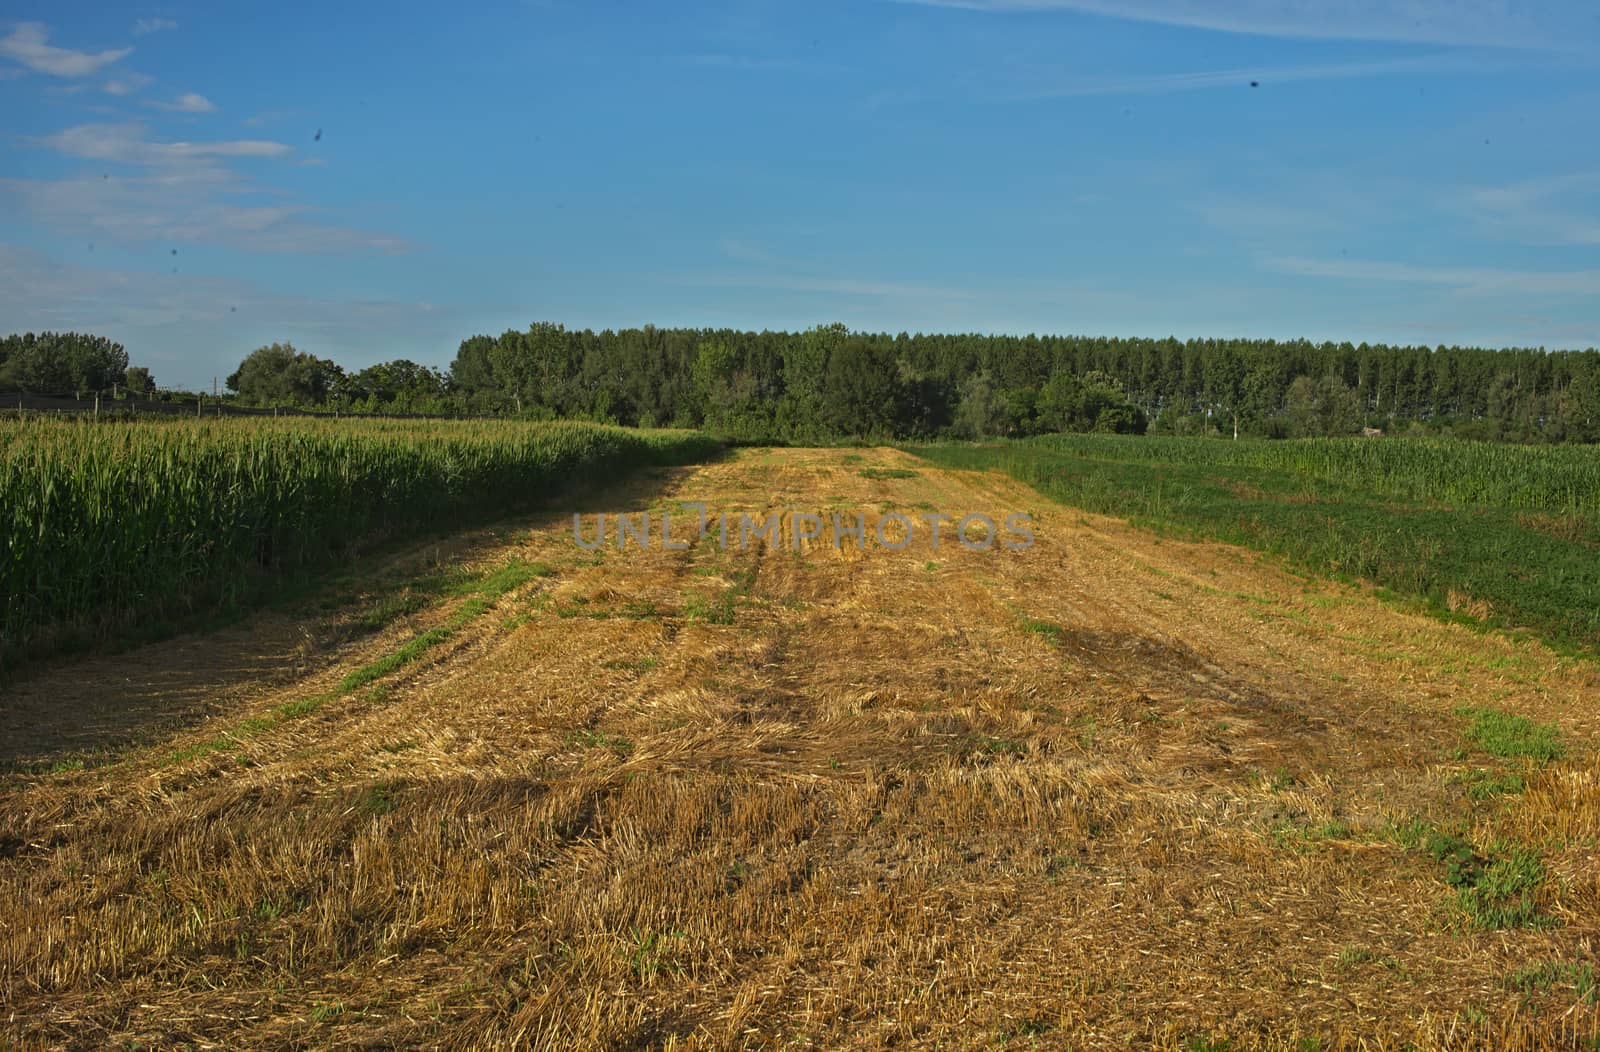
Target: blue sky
[1415,171]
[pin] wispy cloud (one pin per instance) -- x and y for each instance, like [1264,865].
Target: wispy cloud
[270,117]
[127,143]
[188,206]
[846,286]
[126,84]
[1255,218]
[1160,83]
[189,102]
[1475,280]
[147,309]
[745,252]
[146,26]
[27,45]
[753,63]
[769,270]
[1469,22]
[1554,210]
[183,193]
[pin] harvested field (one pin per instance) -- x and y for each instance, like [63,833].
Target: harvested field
[1110,791]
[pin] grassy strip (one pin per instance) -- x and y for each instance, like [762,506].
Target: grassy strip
[1476,565]
[481,594]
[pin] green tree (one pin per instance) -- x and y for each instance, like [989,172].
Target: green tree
[472,375]
[862,394]
[279,374]
[1060,403]
[139,382]
[1325,406]
[62,363]
[805,369]
[401,385]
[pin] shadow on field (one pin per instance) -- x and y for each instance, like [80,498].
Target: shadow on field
[84,709]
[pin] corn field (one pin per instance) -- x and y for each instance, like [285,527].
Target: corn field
[104,523]
[1563,479]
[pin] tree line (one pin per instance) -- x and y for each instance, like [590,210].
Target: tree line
[829,383]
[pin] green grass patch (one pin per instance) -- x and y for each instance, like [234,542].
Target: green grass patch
[987,745]
[1507,734]
[718,610]
[1543,976]
[888,473]
[377,799]
[206,748]
[1505,894]
[390,662]
[598,739]
[1491,893]
[1487,785]
[1051,633]
[304,707]
[1301,837]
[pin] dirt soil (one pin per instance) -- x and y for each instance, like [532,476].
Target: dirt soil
[1113,790]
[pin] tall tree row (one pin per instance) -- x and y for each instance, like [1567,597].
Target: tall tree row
[829,382]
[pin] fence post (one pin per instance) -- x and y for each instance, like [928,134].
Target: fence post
[97,405]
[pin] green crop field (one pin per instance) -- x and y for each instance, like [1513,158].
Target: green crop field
[102,524]
[1563,479]
[1495,534]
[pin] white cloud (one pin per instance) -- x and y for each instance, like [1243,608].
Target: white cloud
[127,143]
[1491,23]
[26,45]
[189,102]
[126,84]
[184,193]
[145,26]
